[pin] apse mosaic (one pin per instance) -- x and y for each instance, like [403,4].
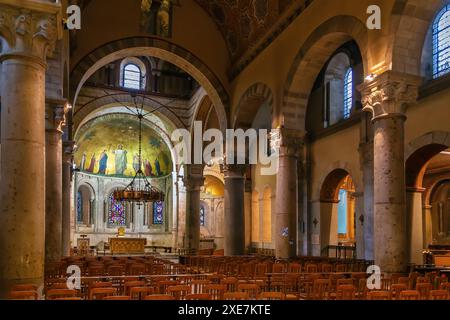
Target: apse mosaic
[109,146]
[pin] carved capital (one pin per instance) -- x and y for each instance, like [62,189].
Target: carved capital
[29,30]
[193,177]
[389,94]
[289,142]
[234,170]
[55,115]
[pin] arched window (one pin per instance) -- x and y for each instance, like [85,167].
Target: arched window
[348,93]
[338,89]
[132,77]
[158,212]
[117,212]
[441,43]
[202,216]
[79,207]
[342,212]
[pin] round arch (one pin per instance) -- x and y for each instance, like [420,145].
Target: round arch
[421,150]
[311,58]
[421,17]
[249,104]
[159,48]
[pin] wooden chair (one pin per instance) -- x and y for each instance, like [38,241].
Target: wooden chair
[410,295]
[24,287]
[311,268]
[272,296]
[159,297]
[179,292]
[130,284]
[231,283]
[321,289]
[117,298]
[235,296]
[198,296]
[379,295]
[23,295]
[439,295]
[346,292]
[216,291]
[252,290]
[163,285]
[100,293]
[424,289]
[198,286]
[139,293]
[396,289]
[70,299]
[53,294]
[445,286]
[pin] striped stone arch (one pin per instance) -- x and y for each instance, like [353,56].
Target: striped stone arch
[250,103]
[310,60]
[159,48]
[82,112]
[411,20]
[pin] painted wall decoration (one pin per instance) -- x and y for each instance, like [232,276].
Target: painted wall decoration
[156,17]
[109,146]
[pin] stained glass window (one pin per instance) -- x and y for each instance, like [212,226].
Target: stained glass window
[348,93]
[117,212]
[158,212]
[79,207]
[202,216]
[132,76]
[441,43]
[342,212]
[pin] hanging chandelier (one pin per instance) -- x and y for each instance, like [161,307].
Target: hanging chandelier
[140,189]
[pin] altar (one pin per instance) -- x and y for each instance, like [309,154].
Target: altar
[127,245]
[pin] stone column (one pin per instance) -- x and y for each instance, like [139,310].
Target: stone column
[386,97]
[28,35]
[415,224]
[67,158]
[359,222]
[366,156]
[193,182]
[287,194]
[234,219]
[54,118]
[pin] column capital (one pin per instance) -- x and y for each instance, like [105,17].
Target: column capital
[29,28]
[55,114]
[288,141]
[193,177]
[233,170]
[68,147]
[388,94]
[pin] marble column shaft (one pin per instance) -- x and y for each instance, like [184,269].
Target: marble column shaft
[287,194]
[193,181]
[234,215]
[29,35]
[387,97]
[66,188]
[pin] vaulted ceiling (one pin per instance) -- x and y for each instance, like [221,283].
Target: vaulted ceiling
[243,22]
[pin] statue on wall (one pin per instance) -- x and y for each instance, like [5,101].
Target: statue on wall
[103,163]
[92,164]
[148,169]
[120,160]
[158,168]
[136,163]
[83,161]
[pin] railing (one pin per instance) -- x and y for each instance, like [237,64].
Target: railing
[340,252]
